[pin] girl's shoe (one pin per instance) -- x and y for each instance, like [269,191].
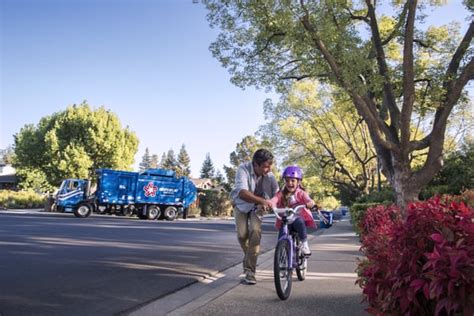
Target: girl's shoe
[305,249]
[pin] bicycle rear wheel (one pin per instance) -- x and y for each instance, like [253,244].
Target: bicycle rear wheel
[302,268]
[282,270]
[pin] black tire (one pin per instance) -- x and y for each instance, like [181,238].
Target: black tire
[170,213]
[282,271]
[153,212]
[101,210]
[83,210]
[127,211]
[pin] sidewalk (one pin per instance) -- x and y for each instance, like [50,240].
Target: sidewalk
[329,287]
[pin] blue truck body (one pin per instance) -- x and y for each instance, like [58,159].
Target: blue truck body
[154,193]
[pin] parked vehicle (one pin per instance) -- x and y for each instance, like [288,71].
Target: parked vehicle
[152,194]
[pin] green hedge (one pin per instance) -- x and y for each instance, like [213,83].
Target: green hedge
[21,199]
[214,203]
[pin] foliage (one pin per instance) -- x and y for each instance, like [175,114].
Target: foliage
[207,169]
[73,144]
[423,265]
[21,199]
[386,195]
[329,203]
[146,161]
[397,72]
[215,203]
[184,167]
[33,179]
[456,175]
[7,155]
[154,161]
[243,153]
[358,211]
[325,136]
[169,162]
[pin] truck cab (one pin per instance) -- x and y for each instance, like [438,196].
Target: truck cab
[72,197]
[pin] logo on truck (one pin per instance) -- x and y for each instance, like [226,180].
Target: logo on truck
[150,189]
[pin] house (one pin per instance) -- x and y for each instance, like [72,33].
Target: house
[203,184]
[207,184]
[8,180]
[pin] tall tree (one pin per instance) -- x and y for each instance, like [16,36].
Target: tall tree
[146,161]
[74,143]
[207,169]
[154,161]
[162,161]
[393,69]
[184,168]
[219,177]
[243,153]
[170,161]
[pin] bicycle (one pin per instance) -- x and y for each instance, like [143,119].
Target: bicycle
[288,254]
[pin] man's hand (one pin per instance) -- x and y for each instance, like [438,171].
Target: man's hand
[265,205]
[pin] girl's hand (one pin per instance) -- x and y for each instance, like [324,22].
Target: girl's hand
[310,205]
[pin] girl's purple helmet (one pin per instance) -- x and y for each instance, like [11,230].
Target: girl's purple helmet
[293,172]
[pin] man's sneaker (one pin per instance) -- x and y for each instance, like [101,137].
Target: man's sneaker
[305,249]
[250,278]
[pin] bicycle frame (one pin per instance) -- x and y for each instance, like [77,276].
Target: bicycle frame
[285,260]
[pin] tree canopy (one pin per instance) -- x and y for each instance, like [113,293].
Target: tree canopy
[72,144]
[184,162]
[207,168]
[395,70]
[325,136]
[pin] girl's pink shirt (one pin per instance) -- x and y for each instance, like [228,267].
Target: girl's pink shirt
[300,197]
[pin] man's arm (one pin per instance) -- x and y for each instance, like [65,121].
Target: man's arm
[248,196]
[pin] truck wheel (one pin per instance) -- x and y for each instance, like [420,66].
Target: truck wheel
[170,213]
[127,211]
[83,210]
[153,212]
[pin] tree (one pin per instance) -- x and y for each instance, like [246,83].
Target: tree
[170,161]
[207,169]
[325,136]
[154,161]
[219,177]
[393,70]
[243,153]
[73,144]
[457,173]
[162,161]
[146,161]
[184,168]
[7,155]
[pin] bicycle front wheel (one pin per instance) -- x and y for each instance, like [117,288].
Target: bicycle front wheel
[282,270]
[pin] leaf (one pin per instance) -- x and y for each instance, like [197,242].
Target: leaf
[437,237]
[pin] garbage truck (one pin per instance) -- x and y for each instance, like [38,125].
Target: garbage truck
[152,194]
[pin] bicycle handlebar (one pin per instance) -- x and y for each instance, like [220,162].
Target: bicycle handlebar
[288,212]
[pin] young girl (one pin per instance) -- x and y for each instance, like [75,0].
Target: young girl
[294,195]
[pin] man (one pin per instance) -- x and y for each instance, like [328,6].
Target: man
[254,185]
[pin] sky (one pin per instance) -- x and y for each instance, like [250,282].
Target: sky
[148,61]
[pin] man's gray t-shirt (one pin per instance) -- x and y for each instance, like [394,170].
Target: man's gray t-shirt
[245,178]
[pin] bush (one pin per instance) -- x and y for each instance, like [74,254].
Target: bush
[357,214]
[385,196]
[421,266]
[21,199]
[215,203]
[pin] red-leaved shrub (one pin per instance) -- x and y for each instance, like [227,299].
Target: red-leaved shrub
[423,265]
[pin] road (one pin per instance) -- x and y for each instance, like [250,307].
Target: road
[56,264]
